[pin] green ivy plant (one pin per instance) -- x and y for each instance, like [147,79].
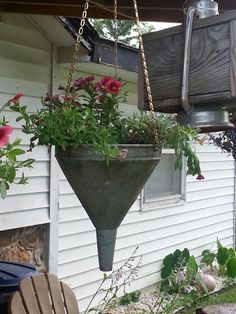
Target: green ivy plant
[10,163]
[89,114]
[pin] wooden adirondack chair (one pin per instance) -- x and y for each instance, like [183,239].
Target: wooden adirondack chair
[43,294]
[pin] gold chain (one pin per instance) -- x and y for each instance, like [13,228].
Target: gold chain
[145,70]
[143,57]
[77,45]
[116,38]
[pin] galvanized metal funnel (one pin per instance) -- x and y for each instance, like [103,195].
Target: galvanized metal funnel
[207,120]
[108,191]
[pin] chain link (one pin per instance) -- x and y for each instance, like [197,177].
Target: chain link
[145,71]
[116,38]
[77,46]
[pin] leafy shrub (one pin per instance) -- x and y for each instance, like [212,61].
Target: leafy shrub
[131,297]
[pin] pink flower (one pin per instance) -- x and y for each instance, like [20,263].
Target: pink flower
[16,98]
[89,79]
[103,81]
[77,103]
[47,98]
[123,154]
[52,99]
[81,83]
[200,177]
[68,97]
[4,134]
[113,86]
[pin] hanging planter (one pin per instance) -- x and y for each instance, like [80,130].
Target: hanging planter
[105,156]
[107,191]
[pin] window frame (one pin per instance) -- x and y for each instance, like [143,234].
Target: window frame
[170,200]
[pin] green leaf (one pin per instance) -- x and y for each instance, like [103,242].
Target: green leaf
[208,258]
[11,174]
[19,119]
[218,243]
[222,255]
[168,259]
[186,254]
[3,189]
[231,268]
[192,268]
[207,251]
[18,151]
[166,271]
[165,285]
[231,253]
[11,156]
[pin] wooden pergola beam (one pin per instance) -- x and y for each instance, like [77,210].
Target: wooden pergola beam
[149,10]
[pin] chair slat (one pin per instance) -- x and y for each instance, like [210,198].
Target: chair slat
[56,294]
[42,293]
[70,299]
[16,305]
[27,291]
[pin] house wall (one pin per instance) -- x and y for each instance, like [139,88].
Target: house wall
[207,213]
[25,66]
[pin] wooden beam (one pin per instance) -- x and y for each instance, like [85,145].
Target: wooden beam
[94,12]
[149,10]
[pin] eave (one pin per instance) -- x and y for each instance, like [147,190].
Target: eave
[149,10]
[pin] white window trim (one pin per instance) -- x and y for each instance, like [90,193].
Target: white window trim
[166,201]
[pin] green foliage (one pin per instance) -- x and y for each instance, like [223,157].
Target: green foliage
[174,262]
[10,161]
[178,271]
[131,297]
[222,255]
[231,268]
[183,284]
[9,166]
[225,258]
[89,114]
[208,257]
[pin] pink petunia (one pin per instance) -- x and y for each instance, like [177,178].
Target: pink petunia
[123,154]
[113,86]
[200,177]
[68,97]
[81,83]
[16,98]
[4,135]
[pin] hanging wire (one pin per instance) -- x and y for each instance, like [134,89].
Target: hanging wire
[77,46]
[116,39]
[145,71]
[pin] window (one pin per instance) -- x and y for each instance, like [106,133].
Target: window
[164,186]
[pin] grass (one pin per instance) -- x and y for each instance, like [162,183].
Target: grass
[224,296]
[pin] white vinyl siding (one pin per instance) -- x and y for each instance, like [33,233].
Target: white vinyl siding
[25,58]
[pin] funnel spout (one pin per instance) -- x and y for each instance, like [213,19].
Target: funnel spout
[106,240]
